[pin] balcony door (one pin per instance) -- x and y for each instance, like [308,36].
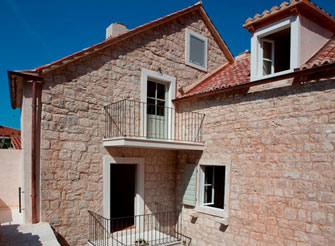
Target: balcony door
[157,111]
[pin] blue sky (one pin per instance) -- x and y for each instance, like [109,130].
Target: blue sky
[37,32]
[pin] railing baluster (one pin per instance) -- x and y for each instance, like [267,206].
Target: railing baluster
[129,118]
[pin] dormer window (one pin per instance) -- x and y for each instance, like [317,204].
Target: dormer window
[274,49]
[275,52]
[196,50]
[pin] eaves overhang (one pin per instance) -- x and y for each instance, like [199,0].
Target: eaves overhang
[16,80]
[305,8]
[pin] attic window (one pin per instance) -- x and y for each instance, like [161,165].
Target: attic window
[275,52]
[196,50]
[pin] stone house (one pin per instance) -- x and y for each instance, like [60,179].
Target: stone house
[162,126]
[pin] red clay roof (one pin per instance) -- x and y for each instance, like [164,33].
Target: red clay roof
[326,55]
[230,75]
[238,73]
[14,134]
[9,131]
[289,8]
[16,141]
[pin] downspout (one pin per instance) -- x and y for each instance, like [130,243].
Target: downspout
[33,154]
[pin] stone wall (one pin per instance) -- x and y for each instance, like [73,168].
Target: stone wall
[72,126]
[279,140]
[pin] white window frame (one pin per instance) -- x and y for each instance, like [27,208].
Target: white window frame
[265,59]
[190,33]
[171,85]
[203,185]
[292,22]
[203,208]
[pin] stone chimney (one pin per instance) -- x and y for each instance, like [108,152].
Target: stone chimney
[115,29]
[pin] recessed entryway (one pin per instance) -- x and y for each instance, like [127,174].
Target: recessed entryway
[123,187]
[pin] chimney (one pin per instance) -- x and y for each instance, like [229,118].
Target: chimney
[115,29]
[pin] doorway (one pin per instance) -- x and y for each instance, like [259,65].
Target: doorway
[122,195]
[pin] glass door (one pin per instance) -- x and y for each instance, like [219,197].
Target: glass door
[157,112]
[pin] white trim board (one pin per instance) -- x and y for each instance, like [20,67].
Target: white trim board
[151,143]
[139,201]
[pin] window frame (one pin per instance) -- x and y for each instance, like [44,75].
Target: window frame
[272,60]
[291,22]
[203,208]
[190,33]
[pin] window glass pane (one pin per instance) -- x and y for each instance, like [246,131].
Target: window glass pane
[267,67]
[197,51]
[208,194]
[219,184]
[209,175]
[267,50]
[151,89]
[161,108]
[151,106]
[160,91]
[214,186]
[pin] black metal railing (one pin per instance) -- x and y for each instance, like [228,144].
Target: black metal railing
[128,118]
[98,234]
[160,228]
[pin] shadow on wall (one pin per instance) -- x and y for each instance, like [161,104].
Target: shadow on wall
[5,213]
[11,235]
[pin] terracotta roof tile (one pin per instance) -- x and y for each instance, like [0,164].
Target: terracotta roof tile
[284,6]
[326,55]
[232,74]
[14,134]
[238,73]
[16,141]
[9,131]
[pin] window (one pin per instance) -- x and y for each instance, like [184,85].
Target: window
[196,50]
[275,52]
[206,187]
[213,186]
[156,98]
[275,49]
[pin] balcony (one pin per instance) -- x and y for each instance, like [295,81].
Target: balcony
[162,227]
[139,124]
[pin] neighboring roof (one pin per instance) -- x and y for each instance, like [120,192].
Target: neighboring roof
[14,134]
[326,55]
[16,141]
[305,7]
[130,33]
[9,131]
[230,75]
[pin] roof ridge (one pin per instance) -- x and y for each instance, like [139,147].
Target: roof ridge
[141,28]
[284,5]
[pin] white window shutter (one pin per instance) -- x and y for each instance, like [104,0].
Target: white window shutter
[190,184]
[197,51]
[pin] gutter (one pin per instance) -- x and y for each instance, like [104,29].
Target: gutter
[248,84]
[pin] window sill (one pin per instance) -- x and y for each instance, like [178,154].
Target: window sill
[220,213]
[204,69]
[273,75]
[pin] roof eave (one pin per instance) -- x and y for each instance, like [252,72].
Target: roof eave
[16,79]
[296,73]
[304,7]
